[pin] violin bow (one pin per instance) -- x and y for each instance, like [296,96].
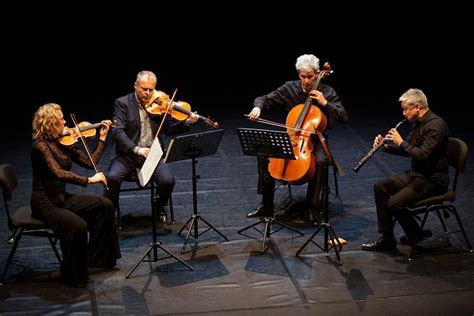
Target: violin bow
[268,122]
[73,117]
[166,112]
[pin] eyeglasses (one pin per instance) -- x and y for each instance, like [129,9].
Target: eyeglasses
[408,107]
[147,89]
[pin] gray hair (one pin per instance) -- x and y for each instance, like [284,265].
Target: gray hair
[307,62]
[414,96]
[145,74]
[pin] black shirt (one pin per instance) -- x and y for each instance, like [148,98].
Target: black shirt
[427,146]
[291,94]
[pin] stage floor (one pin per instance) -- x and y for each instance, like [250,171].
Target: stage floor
[233,277]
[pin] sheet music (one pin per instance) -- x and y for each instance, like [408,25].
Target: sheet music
[145,173]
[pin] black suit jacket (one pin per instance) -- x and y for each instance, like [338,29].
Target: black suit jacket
[126,132]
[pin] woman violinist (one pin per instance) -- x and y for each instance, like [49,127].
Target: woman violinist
[71,216]
[324,101]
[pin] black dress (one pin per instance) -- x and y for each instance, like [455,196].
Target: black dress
[72,216]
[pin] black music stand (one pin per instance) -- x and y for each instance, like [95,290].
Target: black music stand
[156,244]
[266,144]
[190,147]
[324,210]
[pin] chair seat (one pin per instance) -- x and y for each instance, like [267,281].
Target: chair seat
[22,218]
[448,196]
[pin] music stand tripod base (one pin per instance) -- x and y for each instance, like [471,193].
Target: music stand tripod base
[329,233]
[266,233]
[335,243]
[264,144]
[194,224]
[191,147]
[155,245]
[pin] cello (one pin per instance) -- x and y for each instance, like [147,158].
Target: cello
[302,121]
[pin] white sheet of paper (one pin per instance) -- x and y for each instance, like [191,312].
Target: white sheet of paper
[145,173]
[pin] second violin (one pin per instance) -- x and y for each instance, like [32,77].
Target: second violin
[160,103]
[86,129]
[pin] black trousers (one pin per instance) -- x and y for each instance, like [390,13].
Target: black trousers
[315,185]
[71,221]
[394,193]
[121,169]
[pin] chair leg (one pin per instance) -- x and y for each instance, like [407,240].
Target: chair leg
[53,244]
[119,219]
[442,221]
[171,209]
[455,212]
[10,257]
[418,235]
[335,181]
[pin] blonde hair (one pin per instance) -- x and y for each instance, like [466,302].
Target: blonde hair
[45,121]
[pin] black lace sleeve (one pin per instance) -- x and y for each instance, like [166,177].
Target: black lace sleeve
[52,161]
[80,157]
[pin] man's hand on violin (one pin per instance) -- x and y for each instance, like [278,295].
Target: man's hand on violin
[193,118]
[255,113]
[105,129]
[318,96]
[97,178]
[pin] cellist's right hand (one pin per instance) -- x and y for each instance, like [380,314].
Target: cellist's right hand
[255,113]
[97,178]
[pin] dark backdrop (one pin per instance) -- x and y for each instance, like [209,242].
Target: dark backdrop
[219,63]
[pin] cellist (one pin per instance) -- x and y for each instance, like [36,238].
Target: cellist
[289,95]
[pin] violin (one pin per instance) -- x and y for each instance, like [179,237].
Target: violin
[70,135]
[302,122]
[160,103]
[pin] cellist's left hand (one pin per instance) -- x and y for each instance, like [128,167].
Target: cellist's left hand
[193,118]
[318,96]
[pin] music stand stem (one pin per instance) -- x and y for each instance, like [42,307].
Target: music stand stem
[268,194]
[155,245]
[194,219]
[329,232]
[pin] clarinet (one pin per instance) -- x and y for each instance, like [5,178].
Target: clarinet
[372,151]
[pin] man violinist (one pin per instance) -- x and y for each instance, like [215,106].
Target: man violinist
[291,94]
[133,136]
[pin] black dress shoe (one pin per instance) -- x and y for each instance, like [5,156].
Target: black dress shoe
[312,216]
[409,241]
[162,215]
[163,218]
[259,212]
[381,245]
[77,284]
